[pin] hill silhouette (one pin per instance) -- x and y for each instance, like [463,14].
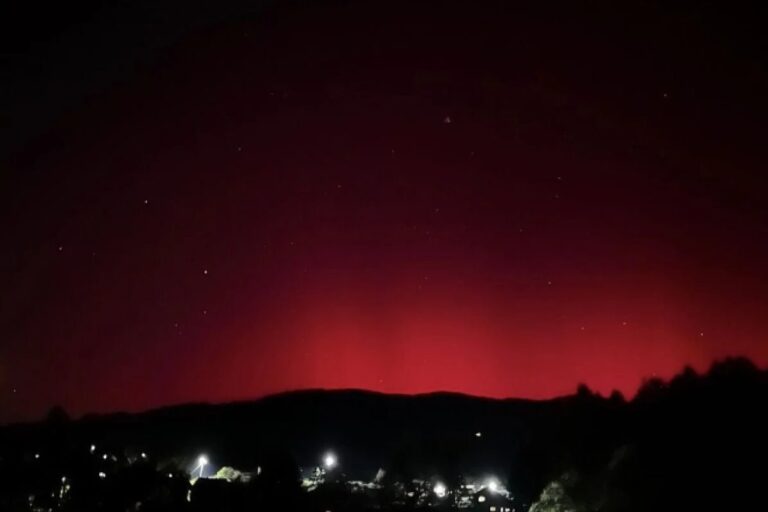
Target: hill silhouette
[693,442]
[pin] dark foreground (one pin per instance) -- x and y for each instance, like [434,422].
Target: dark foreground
[697,442]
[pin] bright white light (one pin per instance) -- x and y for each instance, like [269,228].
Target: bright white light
[143,455]
[493,485]
[93,448]
[439,490]
[478,434]
[481,499]
[37,456]
[330,461]
[202,461]
[102,475]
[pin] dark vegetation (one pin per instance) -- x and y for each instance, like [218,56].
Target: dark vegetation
[697,442]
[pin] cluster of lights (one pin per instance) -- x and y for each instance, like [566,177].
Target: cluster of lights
[440,490]
[329,462]
[64,489]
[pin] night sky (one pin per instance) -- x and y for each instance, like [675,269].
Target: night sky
[495,198]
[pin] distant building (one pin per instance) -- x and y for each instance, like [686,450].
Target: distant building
[486,500]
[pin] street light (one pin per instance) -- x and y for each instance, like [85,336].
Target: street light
[440,490]
[202,461]
[330,461]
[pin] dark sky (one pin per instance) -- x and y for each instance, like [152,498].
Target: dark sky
[497,198]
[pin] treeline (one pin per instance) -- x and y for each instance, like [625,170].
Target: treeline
[696,442]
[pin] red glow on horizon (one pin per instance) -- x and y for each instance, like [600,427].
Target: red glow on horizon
[280,204]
